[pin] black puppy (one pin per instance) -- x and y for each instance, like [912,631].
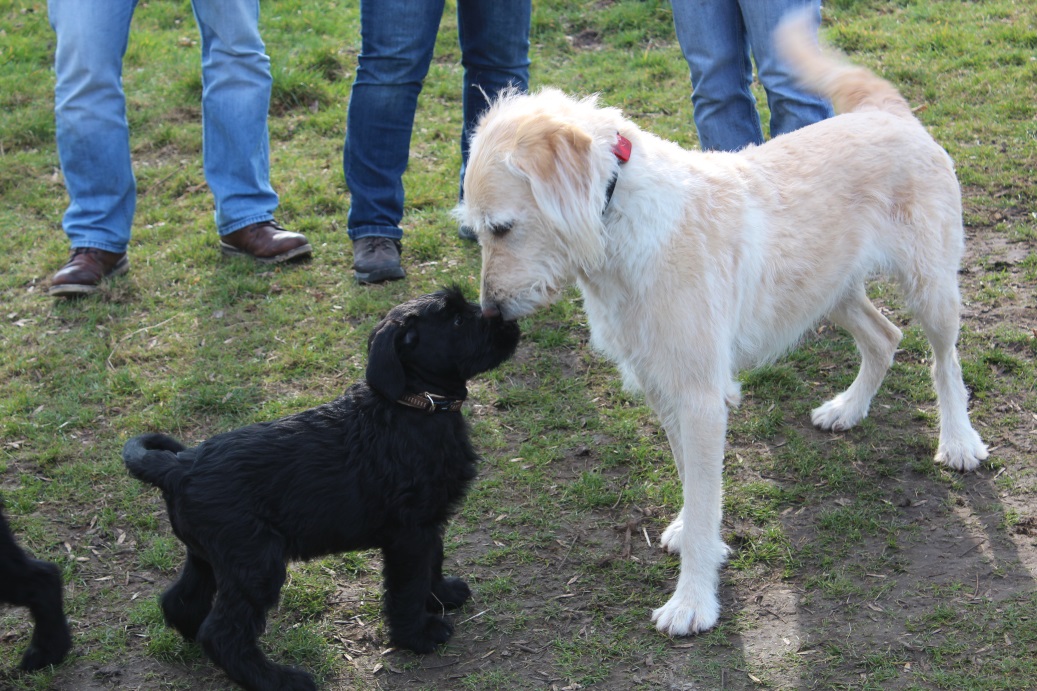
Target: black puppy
[28,582]
[383,466]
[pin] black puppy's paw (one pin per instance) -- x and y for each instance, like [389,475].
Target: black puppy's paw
[435,631]
[41,654]
[184,616]
[449,593]
[294,679]
[51,638]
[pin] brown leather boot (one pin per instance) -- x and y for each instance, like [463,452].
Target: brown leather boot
[85,269]
[377,259]
[266,242]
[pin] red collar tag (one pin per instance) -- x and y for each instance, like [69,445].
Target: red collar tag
[622,148]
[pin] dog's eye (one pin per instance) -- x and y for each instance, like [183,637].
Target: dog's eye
[458,320]
[499,229]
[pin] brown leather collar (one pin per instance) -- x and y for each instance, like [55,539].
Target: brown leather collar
[431,403]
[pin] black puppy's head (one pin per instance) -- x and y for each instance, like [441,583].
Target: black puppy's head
[436,343]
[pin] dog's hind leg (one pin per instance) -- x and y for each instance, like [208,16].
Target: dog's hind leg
[28,582]
[238,617]
[936,303]
[407,571]
[876,338]
[187,602]
[445,593]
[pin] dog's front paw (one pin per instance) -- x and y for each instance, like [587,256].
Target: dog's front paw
[838,414]
[292,679]
[683,617]
[434,631]
[964,453]
[449,593]
[671,539]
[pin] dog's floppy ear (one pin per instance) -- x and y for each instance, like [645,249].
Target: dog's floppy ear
[556,158]
[384,369]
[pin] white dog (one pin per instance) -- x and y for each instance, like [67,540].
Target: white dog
[696,265]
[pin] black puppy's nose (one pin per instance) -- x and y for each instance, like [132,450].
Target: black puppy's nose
[490,310]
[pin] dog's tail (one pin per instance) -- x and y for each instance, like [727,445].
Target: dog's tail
[153,459]
[850,88]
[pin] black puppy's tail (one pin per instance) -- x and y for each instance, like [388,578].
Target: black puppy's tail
[153,459]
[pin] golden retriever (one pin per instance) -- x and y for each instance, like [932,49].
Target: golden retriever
[695,265]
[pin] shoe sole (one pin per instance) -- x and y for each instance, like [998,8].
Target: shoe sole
[73,290]
[301,251]
[392,273]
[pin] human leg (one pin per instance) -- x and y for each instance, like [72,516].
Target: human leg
[713,38]
[791,107]
[92,133]
[236,85]
[494,39]
[397,41]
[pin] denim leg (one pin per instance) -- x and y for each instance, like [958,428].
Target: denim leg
[93,137]
[790,106]
[494,39]
[397,41]
[236,85]
[713,38]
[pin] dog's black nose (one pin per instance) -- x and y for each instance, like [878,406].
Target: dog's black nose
[490,310]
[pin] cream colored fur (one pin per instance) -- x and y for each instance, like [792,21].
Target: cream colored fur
[707,263]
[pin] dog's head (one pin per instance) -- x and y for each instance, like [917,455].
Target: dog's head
[534,190]
[436,343]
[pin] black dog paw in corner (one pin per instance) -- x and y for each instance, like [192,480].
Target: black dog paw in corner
[28,582]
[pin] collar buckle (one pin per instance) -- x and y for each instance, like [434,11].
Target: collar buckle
[431,403]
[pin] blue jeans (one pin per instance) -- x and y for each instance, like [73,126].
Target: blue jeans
[93,135]
[397,41]
[718,37]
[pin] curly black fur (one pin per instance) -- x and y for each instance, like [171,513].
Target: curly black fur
[360,472]
[28,582]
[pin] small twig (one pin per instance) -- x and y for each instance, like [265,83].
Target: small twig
[566,558]
[971,548]
[134,333]
[474,616]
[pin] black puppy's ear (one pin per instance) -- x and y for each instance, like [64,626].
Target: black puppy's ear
[384,369]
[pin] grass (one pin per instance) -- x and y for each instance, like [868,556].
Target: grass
[878,569]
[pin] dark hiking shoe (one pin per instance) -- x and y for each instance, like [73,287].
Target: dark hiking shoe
[377,259]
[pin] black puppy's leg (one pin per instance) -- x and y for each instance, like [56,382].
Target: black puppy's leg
[27,582]
[446,593]
[408,580]
[51,639]
[236,621]
[187,602]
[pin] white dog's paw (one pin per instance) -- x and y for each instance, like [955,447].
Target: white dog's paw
[963,453]
[683,617]
[838,414]
[671,539]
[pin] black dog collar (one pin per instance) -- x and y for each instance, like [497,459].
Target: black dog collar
[430,402]
[621,150]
